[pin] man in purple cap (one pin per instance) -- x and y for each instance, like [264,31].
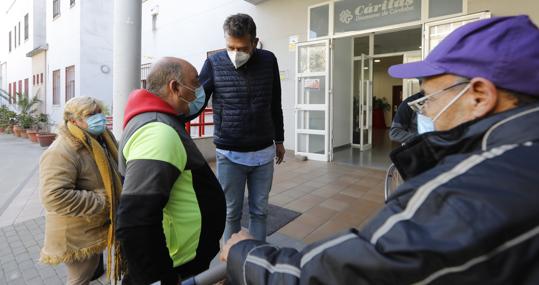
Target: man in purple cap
[468,212]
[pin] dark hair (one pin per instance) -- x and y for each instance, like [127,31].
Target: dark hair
[240,25]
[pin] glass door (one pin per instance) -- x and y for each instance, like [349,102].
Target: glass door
[365,103]
[312,100]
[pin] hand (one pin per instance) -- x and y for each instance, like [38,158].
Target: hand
[279,152]
[234,239]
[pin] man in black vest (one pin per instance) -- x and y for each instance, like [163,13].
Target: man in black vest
[248,118]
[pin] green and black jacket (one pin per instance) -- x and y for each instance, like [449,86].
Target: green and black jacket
[172,209]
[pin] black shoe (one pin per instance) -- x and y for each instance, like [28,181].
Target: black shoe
[100,270]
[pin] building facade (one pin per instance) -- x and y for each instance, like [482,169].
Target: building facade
[23,27]
[56,50]
[79,56]
[333,55]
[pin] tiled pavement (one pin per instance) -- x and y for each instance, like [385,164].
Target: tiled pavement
[19,252]
[331,197]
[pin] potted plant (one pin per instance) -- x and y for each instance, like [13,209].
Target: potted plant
[379,106]
[16,130]
[44,136]
[32,131]
[26,122]
[27,107]
[5,115]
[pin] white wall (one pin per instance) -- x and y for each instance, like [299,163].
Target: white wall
[3,75]
[383,83]
[189,31]
[96,50]
[19,67]
[63,37]
[342,93]
[38,23]
[39,65]
[506,8]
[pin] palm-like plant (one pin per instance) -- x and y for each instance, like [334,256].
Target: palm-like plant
[26,105]
[4,96]
[6,116]
[26,108]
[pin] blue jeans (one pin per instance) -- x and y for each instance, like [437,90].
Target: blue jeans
[233,178]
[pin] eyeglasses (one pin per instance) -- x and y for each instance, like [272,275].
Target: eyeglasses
[419,104]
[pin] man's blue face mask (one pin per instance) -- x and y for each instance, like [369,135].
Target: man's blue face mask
[200,99]
[198,103]
[425,123]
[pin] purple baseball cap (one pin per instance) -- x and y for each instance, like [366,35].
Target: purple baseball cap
[504,50]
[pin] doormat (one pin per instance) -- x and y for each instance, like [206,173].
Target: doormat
[277,218]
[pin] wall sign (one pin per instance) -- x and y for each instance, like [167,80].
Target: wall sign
[356,15]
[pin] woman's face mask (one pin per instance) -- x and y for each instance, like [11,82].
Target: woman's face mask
[96,124]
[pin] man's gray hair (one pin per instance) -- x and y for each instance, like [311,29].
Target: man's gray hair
[161,74]
[239,26]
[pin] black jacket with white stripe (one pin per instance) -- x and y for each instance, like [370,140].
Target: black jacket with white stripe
[468,213]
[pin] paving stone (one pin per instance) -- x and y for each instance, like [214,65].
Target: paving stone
[10,266]
[30,274]
[18,281]
[53,280]
[13,274]
[36,281]
[25,265]
[23,257]
[47,272]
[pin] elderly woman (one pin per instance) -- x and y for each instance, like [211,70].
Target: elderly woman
[79,186]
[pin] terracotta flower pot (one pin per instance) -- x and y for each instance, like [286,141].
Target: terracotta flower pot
[378,120]
[32,135]
[2,130]
[45,139]
[17,131]
[24,135]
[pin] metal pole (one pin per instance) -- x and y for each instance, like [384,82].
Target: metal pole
[126,57]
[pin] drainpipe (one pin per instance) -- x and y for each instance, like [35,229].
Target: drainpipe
[126,57]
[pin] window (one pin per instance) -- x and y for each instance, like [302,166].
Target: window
[26,88]
[55,8]
[20,88]
[71,3]
[9,91]
[56,87]
[19,33]
[439,8]
[41,79]
[318,21]
[15,36]
[34,79]
[26,26]
[70,82]
[10,41]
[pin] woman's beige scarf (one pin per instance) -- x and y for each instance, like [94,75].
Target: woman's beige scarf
[113,188]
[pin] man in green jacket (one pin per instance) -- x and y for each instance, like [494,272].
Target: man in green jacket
[172,208]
